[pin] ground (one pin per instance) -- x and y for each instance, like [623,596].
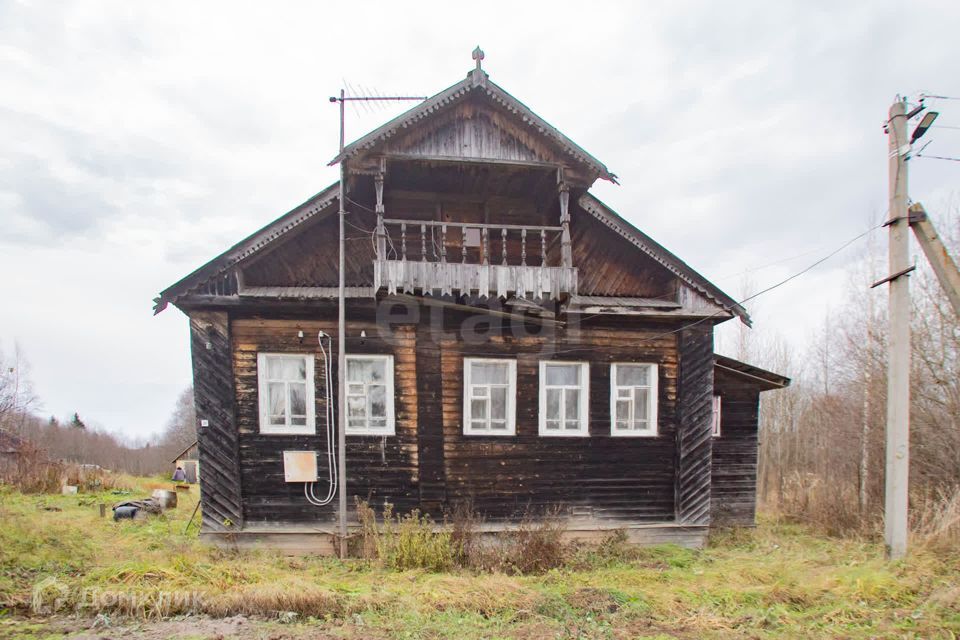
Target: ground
[67,573]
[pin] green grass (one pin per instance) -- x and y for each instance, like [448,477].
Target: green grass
[773,582]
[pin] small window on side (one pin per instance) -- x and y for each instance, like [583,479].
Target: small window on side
[715,423]
[633,399]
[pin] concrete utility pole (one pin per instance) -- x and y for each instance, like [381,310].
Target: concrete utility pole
[898,366]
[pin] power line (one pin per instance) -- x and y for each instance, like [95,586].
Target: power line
[936,97]
[923,155]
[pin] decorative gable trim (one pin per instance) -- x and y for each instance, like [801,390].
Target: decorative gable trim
[214,271]
[476,80]
[589,203]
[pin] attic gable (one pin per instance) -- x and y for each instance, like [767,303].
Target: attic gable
[475,119]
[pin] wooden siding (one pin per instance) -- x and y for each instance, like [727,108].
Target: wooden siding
[430,464]
[213,393]
[694,439]
[380,468]
[473,130]
[734,467]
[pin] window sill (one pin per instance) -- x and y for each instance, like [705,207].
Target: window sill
[544,434]
[279,431]
[634,435]
[370,432]
[489,434]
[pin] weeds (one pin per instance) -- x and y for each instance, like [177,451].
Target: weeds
[778,580]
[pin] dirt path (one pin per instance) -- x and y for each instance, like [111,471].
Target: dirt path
[186,628]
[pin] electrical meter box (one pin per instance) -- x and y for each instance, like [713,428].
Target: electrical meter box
[300,466]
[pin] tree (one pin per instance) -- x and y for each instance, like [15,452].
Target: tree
[16,390]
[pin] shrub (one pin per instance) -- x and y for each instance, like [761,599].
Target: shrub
[412,541]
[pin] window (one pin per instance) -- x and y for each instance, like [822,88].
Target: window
[563,398]
[489,393]
[370,395]
[286,393]
[715,424]
[633,399]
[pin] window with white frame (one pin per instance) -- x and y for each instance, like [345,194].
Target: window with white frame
[489,396]
[285,382]
[633,399]
[715,424]
[564,388]
[370,395]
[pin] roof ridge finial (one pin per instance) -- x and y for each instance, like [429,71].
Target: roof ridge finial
[478,56]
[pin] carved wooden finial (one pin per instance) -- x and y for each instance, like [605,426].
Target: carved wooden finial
[478,56]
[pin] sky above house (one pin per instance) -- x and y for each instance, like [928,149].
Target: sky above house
[139,140]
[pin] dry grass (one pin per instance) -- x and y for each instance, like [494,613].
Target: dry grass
[779,580]
[31,471]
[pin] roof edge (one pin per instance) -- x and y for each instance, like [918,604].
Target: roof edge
[768,379]
[661,254]
[246,247]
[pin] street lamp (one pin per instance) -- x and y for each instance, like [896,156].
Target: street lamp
[925,123]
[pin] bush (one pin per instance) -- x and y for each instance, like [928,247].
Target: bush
[415,541]
[406,542]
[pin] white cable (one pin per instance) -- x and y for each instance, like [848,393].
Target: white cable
[330,430]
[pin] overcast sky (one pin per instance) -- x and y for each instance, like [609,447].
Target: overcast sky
[139,140]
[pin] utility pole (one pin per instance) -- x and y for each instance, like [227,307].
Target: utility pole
[898,366]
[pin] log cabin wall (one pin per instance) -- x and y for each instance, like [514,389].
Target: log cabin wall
[695,440]
[734,466]
[430,464]
[217,440]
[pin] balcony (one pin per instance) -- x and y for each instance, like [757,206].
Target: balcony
[459,258]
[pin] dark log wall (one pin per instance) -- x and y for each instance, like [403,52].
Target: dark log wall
[217,443]
[600,477]
[734,468]
[430,464]
[694,440]
[380,468]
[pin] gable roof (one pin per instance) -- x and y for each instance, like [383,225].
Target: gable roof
[477,81]
[215,274]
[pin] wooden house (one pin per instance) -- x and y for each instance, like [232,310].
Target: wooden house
[189,461]
[511,342]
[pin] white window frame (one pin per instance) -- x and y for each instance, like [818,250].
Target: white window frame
[584,387]
[715,426]
[654,373]
[390,429]
[263,386]
[468,388]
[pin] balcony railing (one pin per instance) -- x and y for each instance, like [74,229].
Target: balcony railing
[475,259]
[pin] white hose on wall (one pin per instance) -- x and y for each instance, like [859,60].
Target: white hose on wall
[331,431]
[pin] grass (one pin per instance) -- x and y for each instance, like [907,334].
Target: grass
[772,582]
